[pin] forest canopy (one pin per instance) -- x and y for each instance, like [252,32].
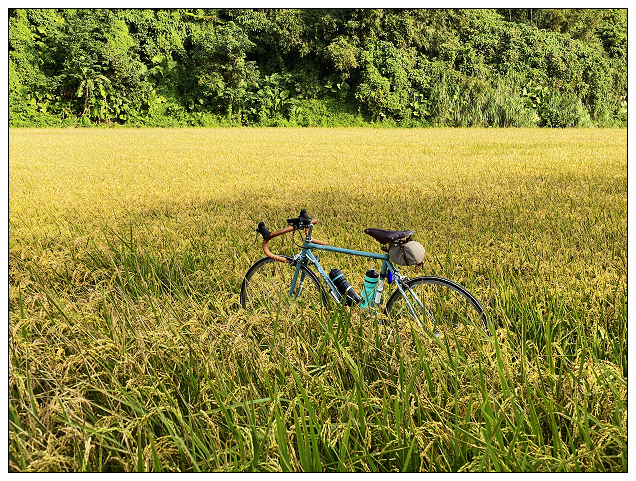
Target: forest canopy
[267,67]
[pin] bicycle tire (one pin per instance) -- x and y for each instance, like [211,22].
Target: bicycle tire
[445,305]
[266,285]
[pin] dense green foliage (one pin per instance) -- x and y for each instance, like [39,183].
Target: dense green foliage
[503,67]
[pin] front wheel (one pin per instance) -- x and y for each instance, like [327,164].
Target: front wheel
[436,304]
[266,288]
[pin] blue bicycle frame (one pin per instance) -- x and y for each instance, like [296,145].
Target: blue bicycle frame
[307,256]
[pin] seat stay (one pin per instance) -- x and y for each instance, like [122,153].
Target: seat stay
[407,302]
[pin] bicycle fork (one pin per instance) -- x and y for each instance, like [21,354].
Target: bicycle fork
[295,289]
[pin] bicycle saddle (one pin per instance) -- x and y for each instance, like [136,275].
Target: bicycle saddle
[386,236]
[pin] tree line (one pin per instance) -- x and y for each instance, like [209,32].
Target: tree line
[401,67]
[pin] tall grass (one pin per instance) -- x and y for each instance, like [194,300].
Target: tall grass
[478,104]
[128,350]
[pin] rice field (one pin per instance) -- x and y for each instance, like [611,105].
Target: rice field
[129,351]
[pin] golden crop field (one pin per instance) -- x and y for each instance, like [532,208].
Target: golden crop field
[129,350]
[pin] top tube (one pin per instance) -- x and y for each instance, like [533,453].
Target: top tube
[340,250]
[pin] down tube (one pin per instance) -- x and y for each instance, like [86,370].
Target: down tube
[321,271]
[306,252]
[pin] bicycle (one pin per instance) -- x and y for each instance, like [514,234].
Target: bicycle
[279,283]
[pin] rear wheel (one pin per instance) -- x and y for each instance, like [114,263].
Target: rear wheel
[436,305]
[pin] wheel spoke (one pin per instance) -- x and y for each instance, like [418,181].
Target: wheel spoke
[433,305]
[267,288]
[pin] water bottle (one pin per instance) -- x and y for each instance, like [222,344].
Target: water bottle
[370,285]
[343,286]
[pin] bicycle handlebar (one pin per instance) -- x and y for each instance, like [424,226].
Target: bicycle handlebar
[303,220]
[262,230]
